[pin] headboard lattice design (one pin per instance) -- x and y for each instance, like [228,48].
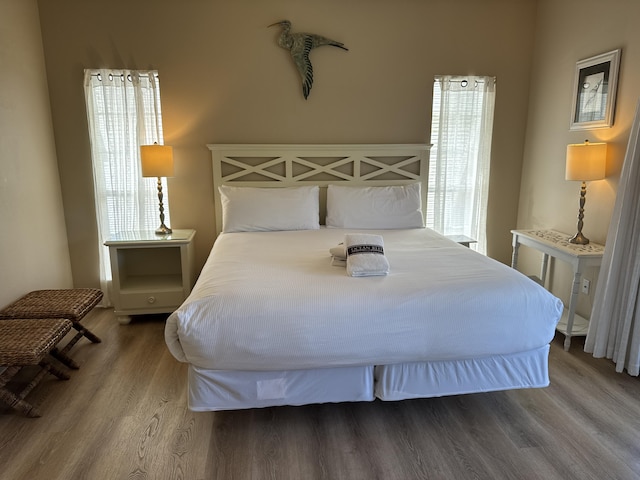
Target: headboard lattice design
[296,165]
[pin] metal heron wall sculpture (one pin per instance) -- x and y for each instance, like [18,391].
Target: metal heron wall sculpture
[299,46]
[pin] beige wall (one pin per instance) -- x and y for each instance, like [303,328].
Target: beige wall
[33,242]
[224,80]
[567,31]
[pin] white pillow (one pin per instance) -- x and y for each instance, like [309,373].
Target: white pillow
[250,209]
[374,207]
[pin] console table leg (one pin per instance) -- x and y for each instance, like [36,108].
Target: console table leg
[573,300]
[543,269]
[514,254]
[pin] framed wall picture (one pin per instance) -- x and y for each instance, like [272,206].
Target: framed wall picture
[594,91]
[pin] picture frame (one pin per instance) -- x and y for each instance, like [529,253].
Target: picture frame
[594,91]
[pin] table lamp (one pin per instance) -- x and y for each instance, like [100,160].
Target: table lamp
[585,161]
[157,161]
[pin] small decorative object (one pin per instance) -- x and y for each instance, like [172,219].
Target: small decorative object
[157,161]
[585,161]
[299,46]
[594,91]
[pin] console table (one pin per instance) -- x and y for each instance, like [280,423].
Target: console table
[556,244]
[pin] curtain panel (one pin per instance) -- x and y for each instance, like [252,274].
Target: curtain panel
[123,113]
[614,328]
[462,128]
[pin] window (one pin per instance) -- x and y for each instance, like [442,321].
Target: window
[123,112]
[461,130]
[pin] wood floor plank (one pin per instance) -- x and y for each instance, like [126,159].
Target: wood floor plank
[124,415]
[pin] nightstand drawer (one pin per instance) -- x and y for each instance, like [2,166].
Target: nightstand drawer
[150,300]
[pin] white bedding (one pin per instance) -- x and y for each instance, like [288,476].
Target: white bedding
[273,301]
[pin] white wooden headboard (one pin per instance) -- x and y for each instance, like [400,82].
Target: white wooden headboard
[288,165]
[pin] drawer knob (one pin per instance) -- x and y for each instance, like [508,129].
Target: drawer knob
[151,299]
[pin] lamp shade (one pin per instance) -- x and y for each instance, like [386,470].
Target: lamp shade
[586,161]
[157,160]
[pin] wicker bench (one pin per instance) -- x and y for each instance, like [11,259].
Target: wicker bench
[26,342]
[72,304]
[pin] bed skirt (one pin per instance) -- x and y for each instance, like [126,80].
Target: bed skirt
[212,390]
[437,379]
[232,390]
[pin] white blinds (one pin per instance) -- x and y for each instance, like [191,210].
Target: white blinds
[461,130]
[123,112]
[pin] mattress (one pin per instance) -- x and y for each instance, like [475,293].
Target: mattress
[269,301]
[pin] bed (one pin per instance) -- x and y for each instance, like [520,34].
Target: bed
[274,320]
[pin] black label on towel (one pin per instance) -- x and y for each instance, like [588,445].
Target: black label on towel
[356,249]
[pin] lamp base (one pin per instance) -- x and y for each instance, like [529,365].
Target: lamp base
[579,239]
[164,230]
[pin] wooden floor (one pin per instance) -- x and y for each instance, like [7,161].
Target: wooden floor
[123,415]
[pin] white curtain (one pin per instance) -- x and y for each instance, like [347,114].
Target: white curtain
[462,127]
[614,329]
[123,112]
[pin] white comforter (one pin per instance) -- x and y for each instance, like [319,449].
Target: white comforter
[273,301]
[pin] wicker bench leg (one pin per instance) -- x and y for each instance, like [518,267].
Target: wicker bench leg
[12,399]
[62,356]
[48,367]
[17,401]
[83,331]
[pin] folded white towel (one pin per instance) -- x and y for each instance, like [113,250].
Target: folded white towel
[365,255]
[338,252]
[338,262]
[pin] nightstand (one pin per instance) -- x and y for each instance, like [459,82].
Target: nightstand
[151,273]
[462,239]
